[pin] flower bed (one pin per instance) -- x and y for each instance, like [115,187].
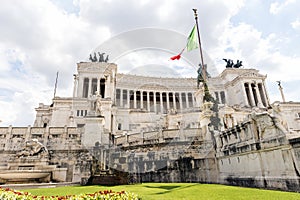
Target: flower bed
[9,194]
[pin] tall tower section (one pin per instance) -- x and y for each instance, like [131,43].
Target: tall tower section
[95,78]
[245,88]
[94,92]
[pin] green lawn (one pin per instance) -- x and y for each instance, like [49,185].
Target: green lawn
[173,191]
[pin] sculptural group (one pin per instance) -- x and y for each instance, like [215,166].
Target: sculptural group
[101,57]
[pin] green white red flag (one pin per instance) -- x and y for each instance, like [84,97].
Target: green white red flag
[192,43]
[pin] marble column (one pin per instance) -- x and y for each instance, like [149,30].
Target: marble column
[161,103]
[259,103]
[193,101]
[154,101]
[174,101]
[75,89]
[264,94]
[148,101]
[180,101]
[245,95]
[90,87]
[134,99]
[251,95]
[121,97]
[128,99]
[168,102]
[141,99]
[187,100]
[98,85]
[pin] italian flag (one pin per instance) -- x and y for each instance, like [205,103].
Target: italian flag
[192,43]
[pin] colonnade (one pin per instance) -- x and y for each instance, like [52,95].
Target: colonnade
[154,101]
[91,85]
[255,94]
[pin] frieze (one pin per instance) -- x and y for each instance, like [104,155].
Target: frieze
[19,131]
[37,130]
[56,130]
[3,131]
[252,74]
[96,67]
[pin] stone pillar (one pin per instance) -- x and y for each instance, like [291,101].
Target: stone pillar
[187,100]
[90,87]
[134,99]
[265,93]
[168,102]
[193,101]
[148,101]
[180,101]
[121,97]
[80,86]
[154,101]
[75,89]
[98,85]
[259,104]
[161,103]
[107,92]
[174,101]
[128,99]
[245,95]
[141,96]
[251,95]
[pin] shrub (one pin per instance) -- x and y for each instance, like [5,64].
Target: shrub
[9,194]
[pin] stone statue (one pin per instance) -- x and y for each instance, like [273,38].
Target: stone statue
[229,63]
[199,77]
[101,57]
[279,83]
[238,64]
[95,58]
[106,59]
[32,148]
[98,106]
[91,58]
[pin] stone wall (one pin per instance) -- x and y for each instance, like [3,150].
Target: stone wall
[257,153]
[63,143]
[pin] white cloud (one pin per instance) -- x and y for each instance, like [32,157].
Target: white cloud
[37,38]
[296,24]
[277,7]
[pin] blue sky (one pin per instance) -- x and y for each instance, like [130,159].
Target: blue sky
[40,37]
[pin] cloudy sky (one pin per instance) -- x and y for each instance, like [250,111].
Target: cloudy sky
[40,37]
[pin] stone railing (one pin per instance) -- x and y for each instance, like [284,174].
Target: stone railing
[163,136]
[13,138]
[259,132]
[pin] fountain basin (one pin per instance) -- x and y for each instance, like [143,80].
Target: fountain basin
[24,175]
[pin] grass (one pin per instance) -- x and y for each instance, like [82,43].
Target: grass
[174,191]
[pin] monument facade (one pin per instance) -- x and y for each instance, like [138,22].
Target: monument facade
[160,129]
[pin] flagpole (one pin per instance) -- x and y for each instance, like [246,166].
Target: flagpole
[207,96]
[201,54]
[55,84]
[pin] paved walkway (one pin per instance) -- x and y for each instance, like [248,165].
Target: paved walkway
[38,185]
